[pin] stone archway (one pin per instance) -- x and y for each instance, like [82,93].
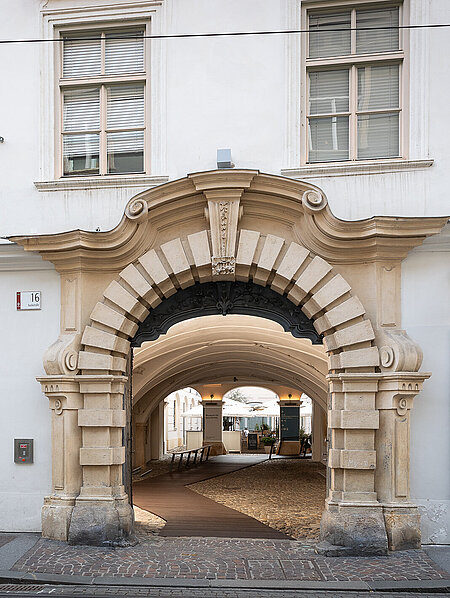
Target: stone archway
[243,226]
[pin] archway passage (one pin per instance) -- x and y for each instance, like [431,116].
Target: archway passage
[237,225]
[214,354]
[226,298]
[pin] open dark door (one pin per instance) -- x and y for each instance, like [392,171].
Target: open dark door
[127,431]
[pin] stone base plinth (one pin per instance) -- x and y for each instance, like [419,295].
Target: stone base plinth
[352,531]
[402,527]
[289,447]
[56,515]
[217,448]
[102,523]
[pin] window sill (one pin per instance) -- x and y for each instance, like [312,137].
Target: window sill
[104,182]
[355,168]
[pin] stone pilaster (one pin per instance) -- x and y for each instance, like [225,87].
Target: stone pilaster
[139,440]
[102,515]
[65,400]
[318,437]
[213,426]
[353,520]
[394,402]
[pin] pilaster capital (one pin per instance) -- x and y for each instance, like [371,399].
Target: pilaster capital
[62,391]
[397,390]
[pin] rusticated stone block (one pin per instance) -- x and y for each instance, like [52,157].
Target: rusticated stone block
[346,311]
[103,314]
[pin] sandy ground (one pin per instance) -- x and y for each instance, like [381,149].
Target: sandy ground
[286,494]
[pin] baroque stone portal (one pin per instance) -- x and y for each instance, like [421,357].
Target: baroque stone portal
[245,227]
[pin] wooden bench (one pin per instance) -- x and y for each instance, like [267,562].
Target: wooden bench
[204,456]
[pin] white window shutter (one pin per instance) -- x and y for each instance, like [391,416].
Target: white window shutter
[328,91]
[378,87]
[324,40]
[125,106]
[81,109]
[385,36]
[124,53]
[82,56]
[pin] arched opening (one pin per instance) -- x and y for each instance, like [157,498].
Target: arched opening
[244,226]
[214,355]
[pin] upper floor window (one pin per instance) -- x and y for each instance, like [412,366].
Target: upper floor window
[102,88]
[354,72]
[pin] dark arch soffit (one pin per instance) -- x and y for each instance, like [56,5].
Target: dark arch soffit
[223,298]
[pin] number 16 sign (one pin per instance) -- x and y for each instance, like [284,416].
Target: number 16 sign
[28,300]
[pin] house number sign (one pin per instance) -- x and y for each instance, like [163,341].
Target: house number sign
[26,300]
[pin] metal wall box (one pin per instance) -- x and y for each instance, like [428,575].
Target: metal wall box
[23,450]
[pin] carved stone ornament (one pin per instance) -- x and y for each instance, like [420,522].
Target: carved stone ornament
[213,298]
[62,356]
[224,212]
[314,201]
[137,209]
[402,354]
[223,265]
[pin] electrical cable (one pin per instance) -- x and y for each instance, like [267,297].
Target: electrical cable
[225,34]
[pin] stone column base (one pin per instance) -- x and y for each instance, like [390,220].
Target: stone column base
[97,522]
[217,448]
[352,531]
[402,527]
[56,515]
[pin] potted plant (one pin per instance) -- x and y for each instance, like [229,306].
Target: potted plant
[267,442]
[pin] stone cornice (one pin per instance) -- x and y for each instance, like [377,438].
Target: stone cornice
[105,182]
[13,259]
[313,171]
[301,205]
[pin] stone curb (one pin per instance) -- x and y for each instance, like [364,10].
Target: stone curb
[164,582]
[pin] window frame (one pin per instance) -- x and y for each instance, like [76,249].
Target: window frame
[353,61]
[100,81]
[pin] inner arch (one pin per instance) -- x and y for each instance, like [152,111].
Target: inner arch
[226,298]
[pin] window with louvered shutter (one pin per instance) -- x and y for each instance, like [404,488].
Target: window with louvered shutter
[103,122]
[353,90]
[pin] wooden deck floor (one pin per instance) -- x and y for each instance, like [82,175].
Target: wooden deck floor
[188,513]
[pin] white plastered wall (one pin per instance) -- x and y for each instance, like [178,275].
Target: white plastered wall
[25,412]
[426,317]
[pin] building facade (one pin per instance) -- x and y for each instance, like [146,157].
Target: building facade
[115,200]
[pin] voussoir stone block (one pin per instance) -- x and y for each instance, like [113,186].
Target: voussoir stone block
[270,252]
[94,361]
[358,333]
[95,337]
[368,357]
[293,259]
[331,291]
[344,312]
[122,298]
[103,314]
[314,272]
[157,273]
[140,285]
[199,244]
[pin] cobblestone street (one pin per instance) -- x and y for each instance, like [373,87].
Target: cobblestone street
[68,591]
[226,559]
